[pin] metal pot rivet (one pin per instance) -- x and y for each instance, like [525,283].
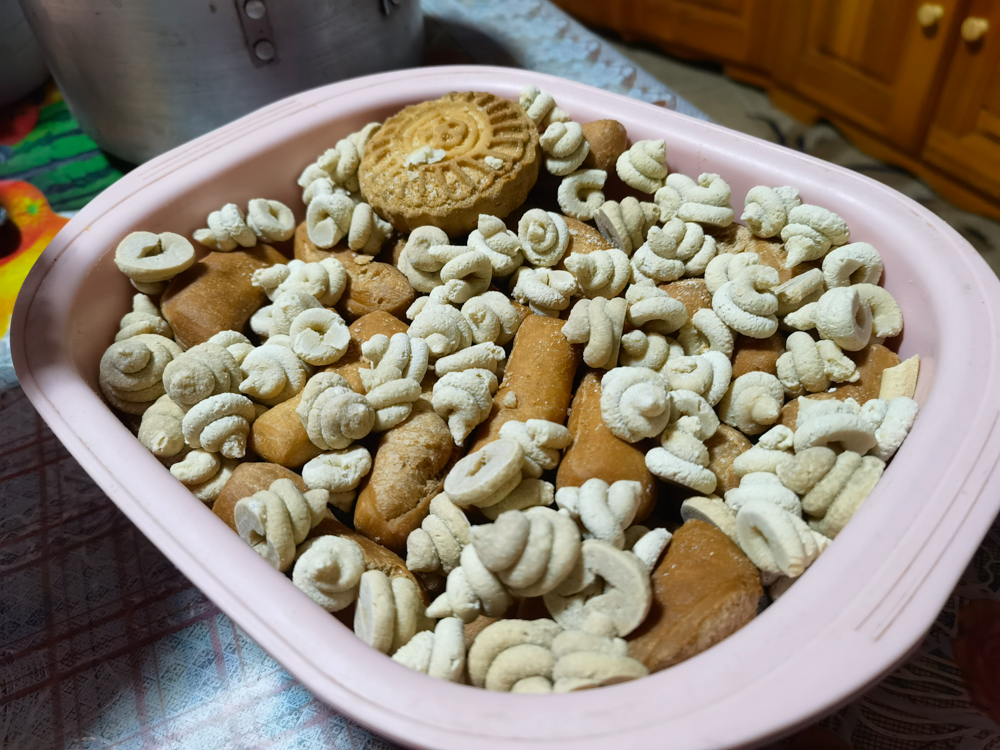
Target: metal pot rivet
[255,9]
[264,50]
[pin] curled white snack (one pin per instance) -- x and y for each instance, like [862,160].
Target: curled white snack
[602,273]
[436,653]
[580,193]
[487,476]
[509,652]
[464,399]
[341,162]
[707,374]
[227,230]
[393,401]
[809,366]
[529,493]
[544,237]
[367,231]
[334,415]
[647,544]
[728,267]
[147,258]
[272,374]
[711,510]
[800,290]
[677,249]
[220,424]
[422,268]
[644,165]
[205,474]
[887,318]
[444,328]
[477,357]
[585,660]
[270,221]
[683,458]
[856,263]
[328,570]
[635,403]
[765,210]
[893,427]
[652,350]
[541,442]
[603,511]
[492,317]
[467,274]
[564,146]
[144,318]
[437,545]
[746,302]
[235,343]
[328,219]
[626,224]
[842,423]
[706,332]
[202,371]
[470,591]
[840,316]
[810,233]
[498,243]
[393,358]
[276,319]
[540,107]
[653,309]
[388,612]
[339,472]
[597,323]
[275,520]
[160,430]
[776,541]
[544,291]
[753,402]
[765,486]
[131,371]
[704,202]
[324,280]
[773,449]
[319,336]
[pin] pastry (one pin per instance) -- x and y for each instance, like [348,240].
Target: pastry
[750,354]
[583,238]
[608,140]
[216,294]
[538,380]
[408,471]
[247,479]
[737,238]
[595,453]
[693,293]
[704,590]
[371,285]
[723,447]
[447,161]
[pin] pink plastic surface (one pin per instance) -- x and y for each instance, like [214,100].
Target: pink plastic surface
[857,612]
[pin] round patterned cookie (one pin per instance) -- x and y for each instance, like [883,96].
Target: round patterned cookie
[447,161]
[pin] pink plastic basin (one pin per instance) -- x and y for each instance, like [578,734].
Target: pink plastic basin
[859,610]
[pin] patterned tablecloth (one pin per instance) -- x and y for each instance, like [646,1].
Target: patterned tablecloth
[104,644]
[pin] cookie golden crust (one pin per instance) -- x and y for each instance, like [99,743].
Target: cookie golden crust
[444,162]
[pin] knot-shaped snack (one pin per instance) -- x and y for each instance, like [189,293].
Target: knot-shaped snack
[340,163]
[887,318]
[706,332]
[437,545]
[810,233]
[540,107]
[487,476]
[704,202]
[652,309]
[339,473]
[821,477]
[319,336]
[840,316]
[564,146]
[150,259]
[677,249]
[276,319]
[388,611]
[626,224]
[799,291]
[776,541]
[544,291]
[603,511]
[202,371]
[894,420]
[580,195]
[466,273]
[204,473]
[727,267]
[160,430]
[274,521]
[682,457]
[856,263]
[529,493]
[635,403]
[513,656]
[227,230]
[765,209]
[602,273]
[587,660]
[598,323]
[773,449]
[753,402]
[492,317]
[270,221]
[476,357]
[328,570]
[438,653]
[144,318]
[608,592]
[272,374]
[652,350]
[444,328]
[747,304]
[765,486]
[235,343]
[541,442]
[334,415]
[421,267]
[809,366]
[325,280]
[328,218]
[832,422]
[498,243]
[531,551]
[131,371]
[464,399]
[707,374]
[644,165]
[471,590]
[367,231]
[393,401]
[220,424]
[544,237]
[393,358]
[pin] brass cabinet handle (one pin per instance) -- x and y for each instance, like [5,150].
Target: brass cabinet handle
[929,14]
[973,28]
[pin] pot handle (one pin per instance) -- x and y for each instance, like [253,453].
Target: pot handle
[255,18]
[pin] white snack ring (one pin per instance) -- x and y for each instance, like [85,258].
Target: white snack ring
[328,219]
[487,476]
[511,651]
[202,371]
[466,275]
[476,357]
[800,290]
[746,302]
[887,318]
[842,423]
[220,424]
[651,350]
[392,358]
[319,336]
[148,258]
[270,221]
[644,165]
[893,427]
[653,309]
[325,280]
[773,449]
[393,401]
[471,590]
[275,520]
[160,430]
[776,541]
[856,263]
[367,231]
[421,268]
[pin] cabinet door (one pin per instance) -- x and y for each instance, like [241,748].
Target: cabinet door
[870,61]
[964,137]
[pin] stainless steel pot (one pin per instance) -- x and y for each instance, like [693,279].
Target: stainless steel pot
[143,76]
[21,65]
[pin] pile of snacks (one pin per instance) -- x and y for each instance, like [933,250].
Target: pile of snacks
[730,401]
